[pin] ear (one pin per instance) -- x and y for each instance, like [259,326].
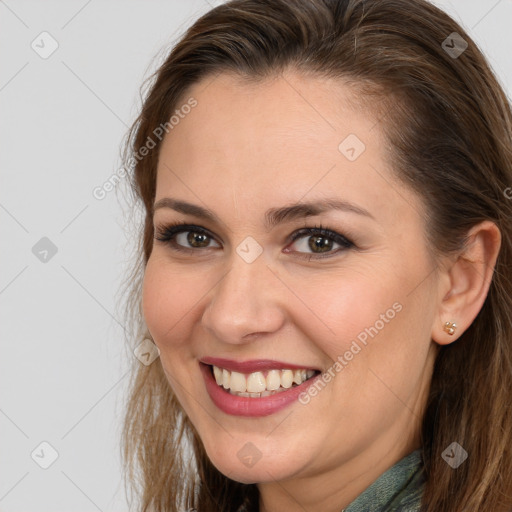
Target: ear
[465,281]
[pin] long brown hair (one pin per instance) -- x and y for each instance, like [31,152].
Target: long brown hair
[449,127]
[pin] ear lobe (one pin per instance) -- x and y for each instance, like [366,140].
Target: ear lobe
[467,282]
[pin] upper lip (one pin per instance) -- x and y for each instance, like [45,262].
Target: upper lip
[253,365]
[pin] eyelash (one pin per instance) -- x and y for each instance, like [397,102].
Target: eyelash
[167,233]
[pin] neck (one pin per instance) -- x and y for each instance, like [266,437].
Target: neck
[333,490]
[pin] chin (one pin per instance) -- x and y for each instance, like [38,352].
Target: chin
[249,466]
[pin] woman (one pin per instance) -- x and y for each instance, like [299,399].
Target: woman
[326,258]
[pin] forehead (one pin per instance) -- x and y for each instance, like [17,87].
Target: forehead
[276,141]
[289,108]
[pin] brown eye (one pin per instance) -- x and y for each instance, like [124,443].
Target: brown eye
[319,241]
[195,239]
[184,236]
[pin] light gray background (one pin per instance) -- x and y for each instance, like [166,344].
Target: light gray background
[63,368]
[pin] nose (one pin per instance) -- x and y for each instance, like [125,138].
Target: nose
[245,302]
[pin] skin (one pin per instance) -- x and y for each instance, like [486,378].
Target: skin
[246,148]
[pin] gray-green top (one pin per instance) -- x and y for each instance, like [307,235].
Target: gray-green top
[399,489]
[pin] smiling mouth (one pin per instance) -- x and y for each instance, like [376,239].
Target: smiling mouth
[262,383]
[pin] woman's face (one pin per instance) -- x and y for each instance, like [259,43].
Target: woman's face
[353,310]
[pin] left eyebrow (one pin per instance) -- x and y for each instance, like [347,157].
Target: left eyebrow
[300,210]
[273,216]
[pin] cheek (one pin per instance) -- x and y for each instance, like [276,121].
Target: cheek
[371,329]
[153,296]
[167,301]
[349,308]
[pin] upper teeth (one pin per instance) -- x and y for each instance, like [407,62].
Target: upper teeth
[258,382]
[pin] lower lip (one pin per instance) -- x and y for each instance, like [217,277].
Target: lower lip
[245,406]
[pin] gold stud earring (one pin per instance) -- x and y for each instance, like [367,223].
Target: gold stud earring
[450,327]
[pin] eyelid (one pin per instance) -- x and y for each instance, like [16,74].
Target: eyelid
[168,232]
[320,230]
